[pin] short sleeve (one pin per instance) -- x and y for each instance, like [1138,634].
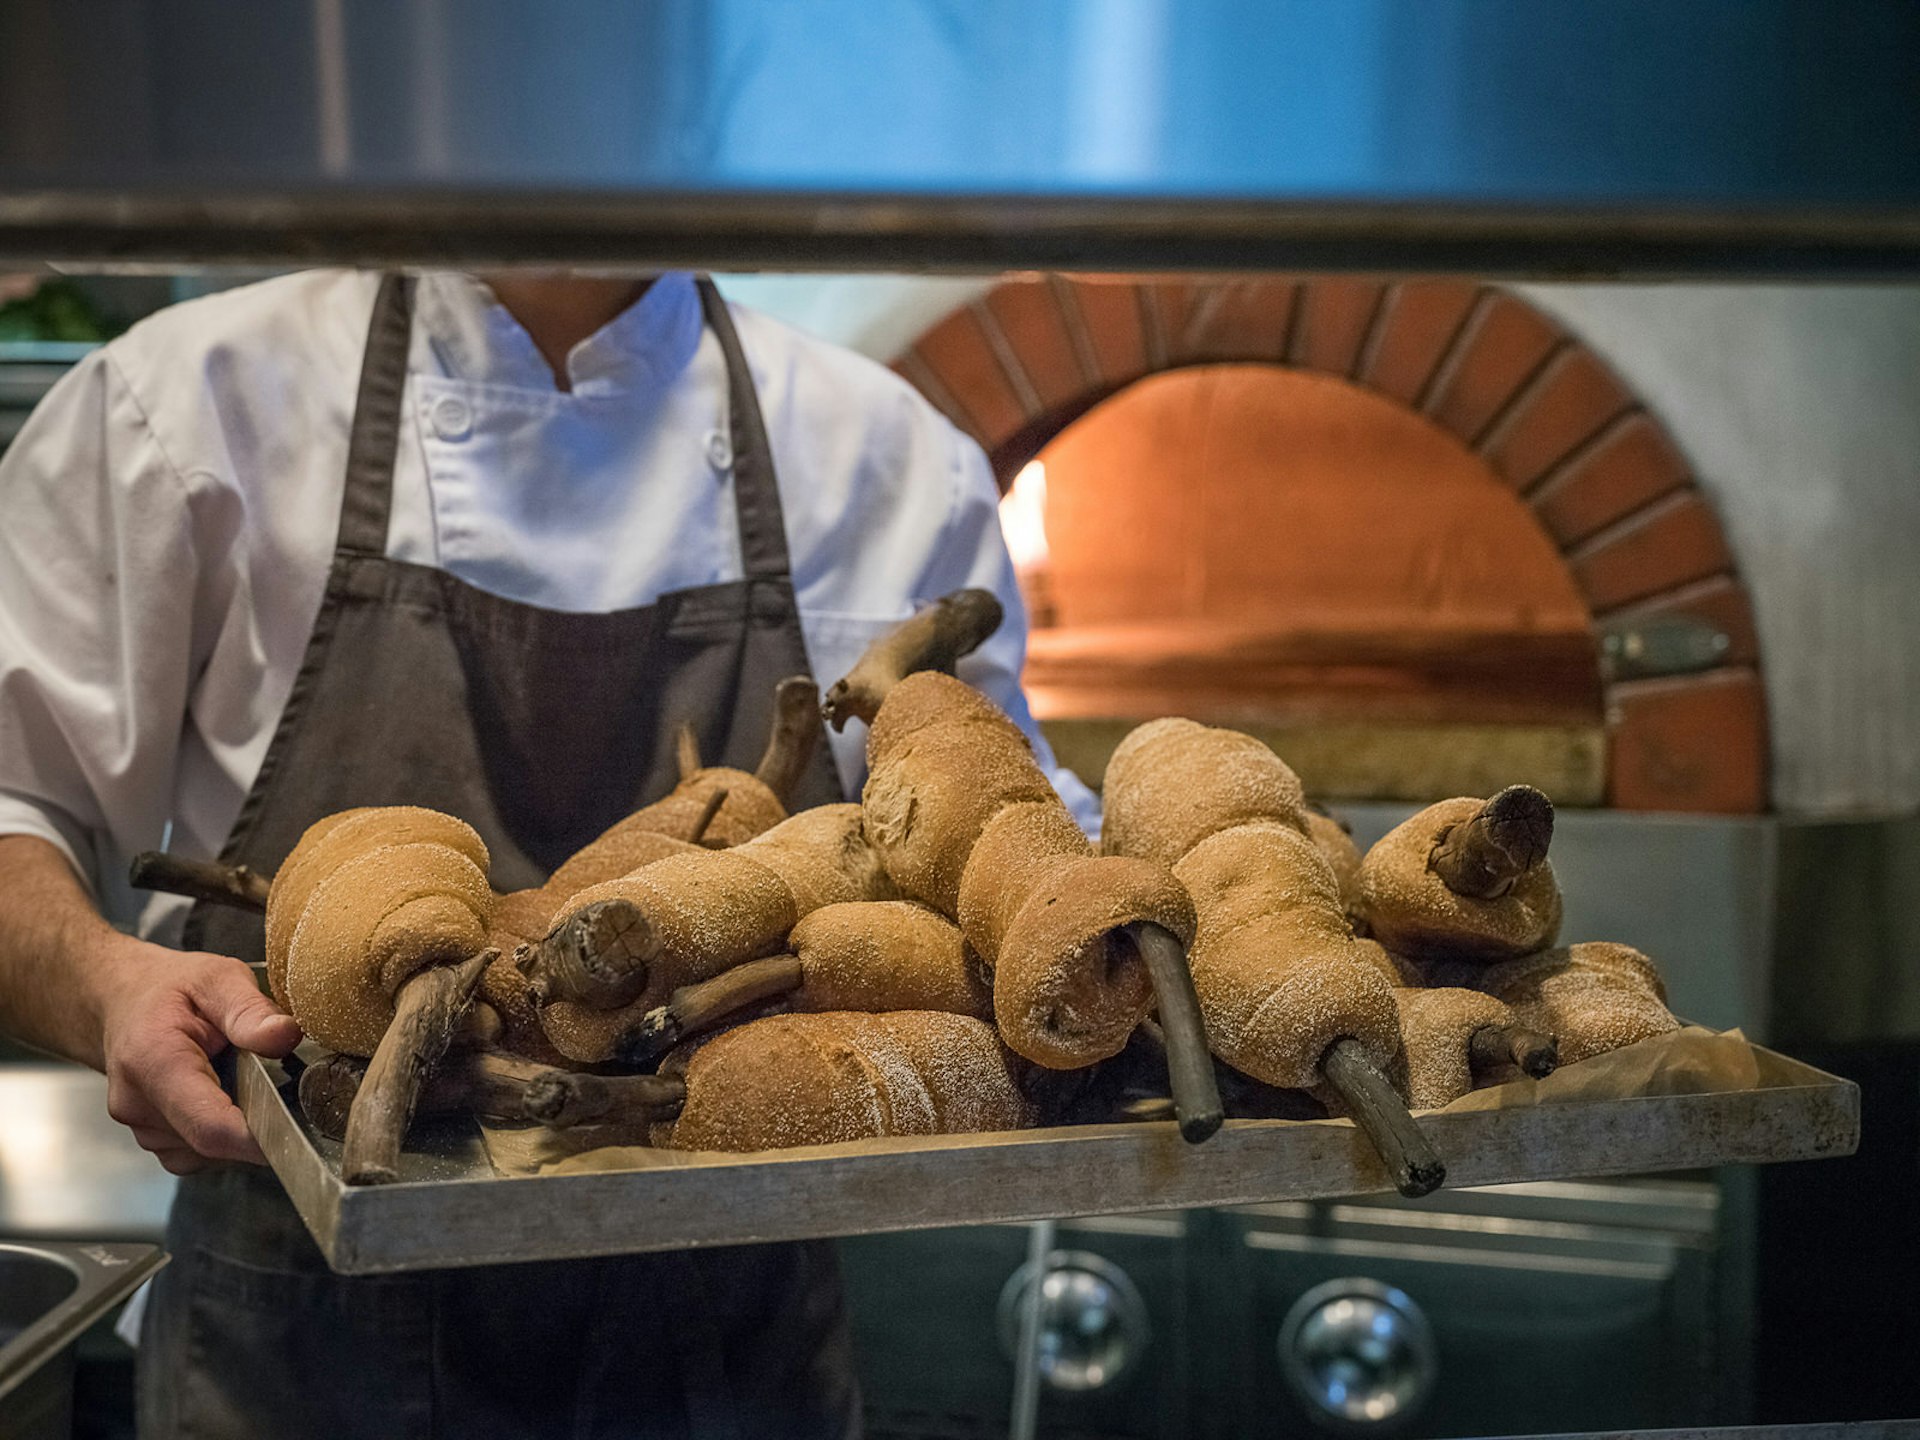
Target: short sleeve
[101,578]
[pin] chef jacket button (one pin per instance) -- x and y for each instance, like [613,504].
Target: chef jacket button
[719,450]
[452,420]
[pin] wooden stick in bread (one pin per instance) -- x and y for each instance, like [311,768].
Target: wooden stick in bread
[874,956]
[1465,880]
[966,822]
[1592,997]
[621,948]
[1288,995]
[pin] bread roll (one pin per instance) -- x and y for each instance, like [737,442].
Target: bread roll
[1594,997]
[964,821]
[821,1079]
[885,955]
[698,914]
[1278,972]
[366,899]
[1412,912]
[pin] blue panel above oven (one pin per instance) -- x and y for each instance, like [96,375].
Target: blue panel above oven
[1421,123]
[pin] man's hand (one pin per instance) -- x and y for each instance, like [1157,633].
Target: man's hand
[164,1015]
[150,1017]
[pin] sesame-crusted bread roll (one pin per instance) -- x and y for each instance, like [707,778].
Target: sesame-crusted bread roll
[695,915]
[1226,779]
[1410,910]
[366,899]
[522,917]
[750,809]
[1336,846]
[336,838]
[819,1079]
[881,955]
[943,761]
[1278,972]
[1595,996]
[1436,1033]
[966,822]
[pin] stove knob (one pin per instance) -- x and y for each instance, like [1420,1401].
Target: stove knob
[1093,1323]
[1359,1354]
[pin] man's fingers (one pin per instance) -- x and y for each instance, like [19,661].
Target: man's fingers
[175,1156]
[177,1079]
[180,1161]
[227,995]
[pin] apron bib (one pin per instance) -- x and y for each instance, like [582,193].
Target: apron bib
[540,728]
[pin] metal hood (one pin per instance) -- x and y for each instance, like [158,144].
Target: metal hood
[1494,135]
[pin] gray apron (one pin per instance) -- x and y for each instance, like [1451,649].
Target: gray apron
[539,728]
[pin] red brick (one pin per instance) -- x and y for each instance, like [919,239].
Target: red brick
[1697,743]
[1571,405]
[1670,543]
[1417,324]
[1028,314]
[1335,315]
[1634,465]
[1168,301]
[1110,313]
[1236,320]
[1721,601]
[1505,343]
[957,352]
[911,368]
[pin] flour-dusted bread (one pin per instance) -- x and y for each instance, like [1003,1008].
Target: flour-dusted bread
[966,822]
[823,1078]
[1278,972]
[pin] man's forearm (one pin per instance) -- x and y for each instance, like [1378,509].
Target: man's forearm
[54,950]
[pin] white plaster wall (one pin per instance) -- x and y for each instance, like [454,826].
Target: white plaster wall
[1799,407]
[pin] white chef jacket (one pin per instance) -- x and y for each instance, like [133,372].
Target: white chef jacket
[168,514]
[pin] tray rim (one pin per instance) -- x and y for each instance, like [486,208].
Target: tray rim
[447,1223]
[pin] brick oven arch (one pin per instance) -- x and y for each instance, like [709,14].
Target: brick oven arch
[1594,466]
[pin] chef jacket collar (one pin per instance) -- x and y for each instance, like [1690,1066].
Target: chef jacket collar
[645,346]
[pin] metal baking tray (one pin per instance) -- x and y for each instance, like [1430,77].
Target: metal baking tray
[451,1208]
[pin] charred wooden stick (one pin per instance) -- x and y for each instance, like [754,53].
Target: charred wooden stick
[427,1010]
[1382,1117]
[693,1008]
[480,1028]
[686,750]
[327,1088]
[1196,1094]
[598,956]
[1493,1046]
[796,732]
[563,1098]
[207,880]
[481,1082]
[1481,857]
[934,639]
[499,1087]
[698,834]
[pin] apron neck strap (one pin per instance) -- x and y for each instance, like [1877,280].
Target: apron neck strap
[756,493]
[375,439]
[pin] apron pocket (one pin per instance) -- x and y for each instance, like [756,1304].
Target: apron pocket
[294,1353]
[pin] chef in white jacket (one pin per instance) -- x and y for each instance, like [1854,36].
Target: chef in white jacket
[335,486]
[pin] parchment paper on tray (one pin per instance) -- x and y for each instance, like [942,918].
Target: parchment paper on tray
[536,1150]
[1689,1061]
